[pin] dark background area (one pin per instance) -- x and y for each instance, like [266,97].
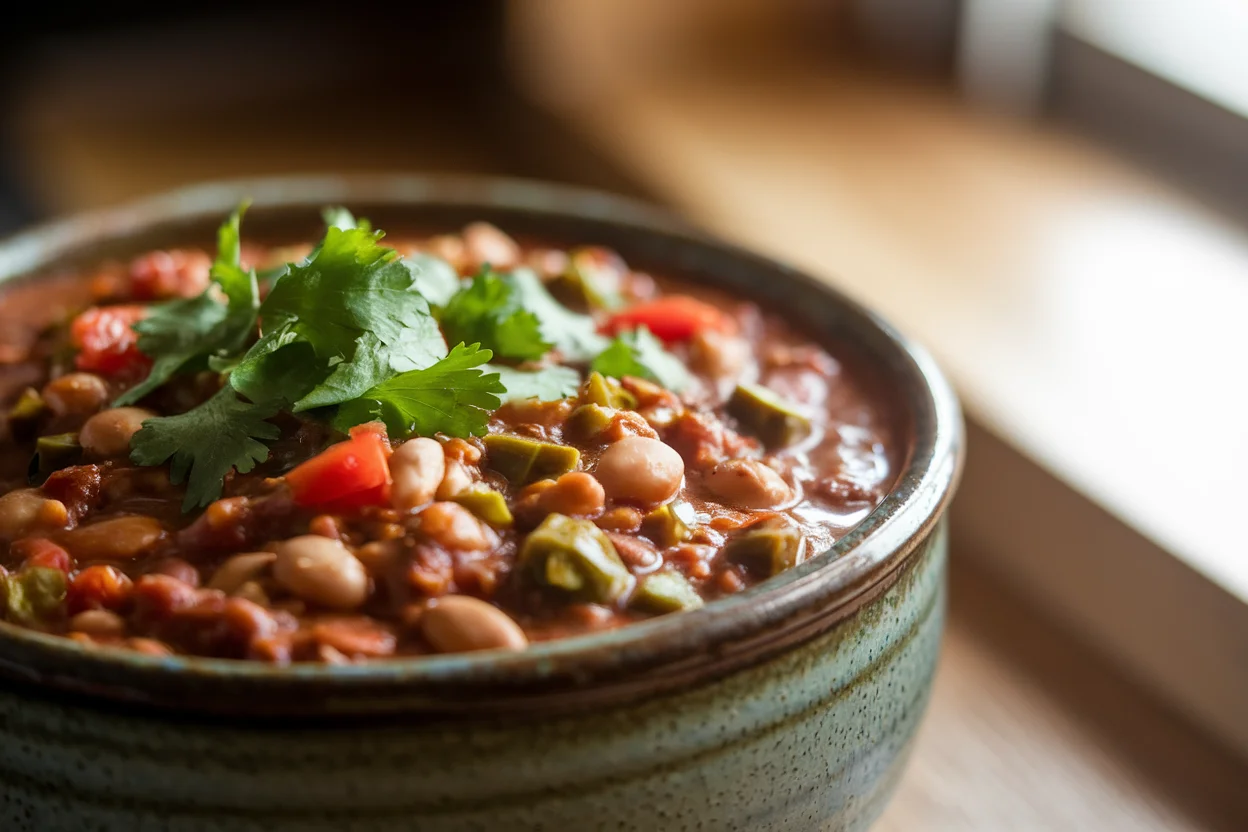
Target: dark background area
[240,89]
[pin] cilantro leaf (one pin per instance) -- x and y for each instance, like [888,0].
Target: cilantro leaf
[546,385]
[353,303]
[487,312]
[173,335]
[204,443]
[454,396]
[190,331]
[575,335]
[639,353]
[336,216]
[433,277]
[418,347]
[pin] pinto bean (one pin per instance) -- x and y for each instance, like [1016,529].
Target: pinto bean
[177,568]
[108,433]
[459,623]
[417,468]
[454,527]
[27,510]
[620,519]
[322,571]
[748,483]
[635,552]
[122,538]
[642,470]
[75,394]
[461,450]
[575,494]
[98,623]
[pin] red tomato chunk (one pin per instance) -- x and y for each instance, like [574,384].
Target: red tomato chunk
[105,340]
[348,475]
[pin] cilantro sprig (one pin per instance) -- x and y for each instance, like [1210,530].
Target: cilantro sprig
[489,312]
[575,335]
[546,384]
[354,333]
[639,353]
[190,332]
[224,433]
[336,325]
[453,396]
[351,302]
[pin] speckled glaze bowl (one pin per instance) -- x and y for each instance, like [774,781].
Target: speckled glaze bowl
[788,707]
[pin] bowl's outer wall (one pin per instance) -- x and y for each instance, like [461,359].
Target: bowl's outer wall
[811,740]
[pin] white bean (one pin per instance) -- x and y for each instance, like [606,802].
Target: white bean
[748,483]
[108,433]
[640,469]
[322,571]
[459,623]
[417,467]
[456,479]
[240,569]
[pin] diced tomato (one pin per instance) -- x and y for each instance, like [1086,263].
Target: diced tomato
[169,274]
[348,475]
[98,587]
[105,340]
[671,318]
[39,551]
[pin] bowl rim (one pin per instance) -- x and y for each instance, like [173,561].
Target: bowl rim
[855,567]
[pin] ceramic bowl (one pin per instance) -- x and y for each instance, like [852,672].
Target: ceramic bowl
[790,706]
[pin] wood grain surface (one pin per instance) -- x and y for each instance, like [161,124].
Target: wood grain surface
[1029,730]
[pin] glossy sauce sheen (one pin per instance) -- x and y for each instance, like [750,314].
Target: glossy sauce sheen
[433,578]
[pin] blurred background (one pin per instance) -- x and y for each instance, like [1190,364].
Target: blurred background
[1049,194]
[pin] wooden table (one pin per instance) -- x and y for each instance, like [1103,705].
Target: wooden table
[1028,730]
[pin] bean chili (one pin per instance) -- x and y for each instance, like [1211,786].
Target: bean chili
[643,447]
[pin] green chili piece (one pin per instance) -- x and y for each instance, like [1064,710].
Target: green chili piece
[24,415]
[666,591]
[34,596]
[487,505]
[670,524]
[768,547]
[764,414]
[577,557]
[606,392]
[589,420]
[52,453]
[592,279]
[523,461]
